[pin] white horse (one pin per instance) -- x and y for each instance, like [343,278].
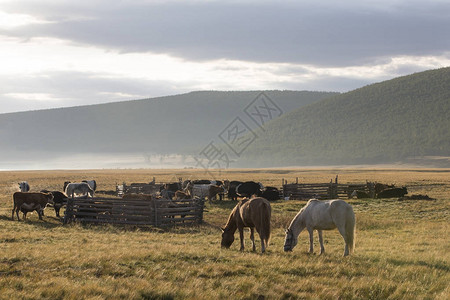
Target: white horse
[323,215]
[80,188]
[24,186]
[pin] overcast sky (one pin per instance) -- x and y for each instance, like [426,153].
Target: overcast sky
[56,53]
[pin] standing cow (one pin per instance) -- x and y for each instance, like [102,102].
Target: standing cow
[249,189]
[24,186]
[80,188]
[59,200]
[27,202]
[230,186]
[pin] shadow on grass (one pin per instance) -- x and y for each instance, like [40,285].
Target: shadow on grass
[50,222]
[47,222]
[441,265]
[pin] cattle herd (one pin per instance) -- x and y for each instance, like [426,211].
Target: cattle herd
[26,201]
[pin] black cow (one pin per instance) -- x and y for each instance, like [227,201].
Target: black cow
[393,193]
[379,187]
[206,181]
[59,199]
[173,187]
[271,193]
[168,190]
[249,189]
[230,186]
[201,181]
[359,194]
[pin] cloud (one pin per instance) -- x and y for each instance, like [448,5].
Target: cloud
[63,89]
[322,33]
[39,97]
[65,53]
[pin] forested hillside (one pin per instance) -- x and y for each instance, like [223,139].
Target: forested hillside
[175,124]
[396,120]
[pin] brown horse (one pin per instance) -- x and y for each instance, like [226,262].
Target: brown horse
[253,213]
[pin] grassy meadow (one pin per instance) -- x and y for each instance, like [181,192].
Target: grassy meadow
[402,247]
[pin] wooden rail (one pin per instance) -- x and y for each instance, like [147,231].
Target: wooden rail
[157,212]
[329,190]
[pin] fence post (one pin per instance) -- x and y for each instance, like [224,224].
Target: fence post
[201,207]
[68,214]
[371,187]
[156,212]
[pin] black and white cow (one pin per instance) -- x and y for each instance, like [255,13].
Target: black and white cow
[59,199]
[24,186]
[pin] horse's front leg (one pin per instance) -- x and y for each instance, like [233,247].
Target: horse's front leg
[241,235]
[311,242]
[252,237]
[322,249]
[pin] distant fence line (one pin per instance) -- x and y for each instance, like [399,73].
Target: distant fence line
[150,188]
[155,212]
[331,190]
[295,190]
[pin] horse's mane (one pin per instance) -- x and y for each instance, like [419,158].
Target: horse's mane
[299,214]
[231,216]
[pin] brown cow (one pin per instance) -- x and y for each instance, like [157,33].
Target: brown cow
[27,202]
[180,195]
[213,191]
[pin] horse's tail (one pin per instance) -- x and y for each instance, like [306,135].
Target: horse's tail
[265,223]
[350,230]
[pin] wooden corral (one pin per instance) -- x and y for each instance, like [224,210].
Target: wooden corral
[155,212]
[331,190]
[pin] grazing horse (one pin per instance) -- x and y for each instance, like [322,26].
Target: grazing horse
[323,215]
[24,186]
[253,213]
[80,188]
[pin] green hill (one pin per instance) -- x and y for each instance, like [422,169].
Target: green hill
[396,120]
[178,124]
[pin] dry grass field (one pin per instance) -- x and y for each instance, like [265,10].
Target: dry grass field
[402,247]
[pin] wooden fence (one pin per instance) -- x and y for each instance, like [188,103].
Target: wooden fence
[331,190]
[157,212]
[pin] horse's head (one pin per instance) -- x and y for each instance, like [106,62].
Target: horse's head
[290,240]
[227,238]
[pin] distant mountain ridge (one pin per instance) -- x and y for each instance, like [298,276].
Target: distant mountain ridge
[399,120]
[180,124]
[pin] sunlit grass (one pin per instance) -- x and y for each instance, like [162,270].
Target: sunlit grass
[402,249]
